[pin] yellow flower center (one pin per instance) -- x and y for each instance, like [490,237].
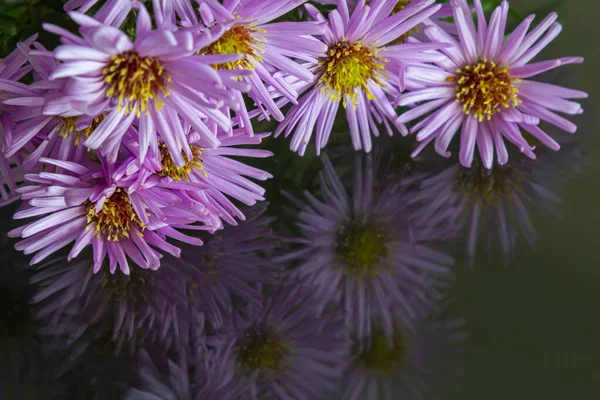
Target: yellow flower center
[116,218]
[133,81]
[261,350]
[360,247]
[67,127]
[484,89]
[239,39]
[180,173]
[350,66]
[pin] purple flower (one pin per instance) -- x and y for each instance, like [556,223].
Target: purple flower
[210,178]
[269,49]
[280,343]
[483,87]
[33,133]
[405,365]
[362,252]
[81,202]
[156,80]
[358,71]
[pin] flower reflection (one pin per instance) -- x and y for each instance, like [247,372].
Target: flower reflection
[227,267]
[197,373]
[152,305]
[407,364]
[496,206]
[363,251]
[284,348]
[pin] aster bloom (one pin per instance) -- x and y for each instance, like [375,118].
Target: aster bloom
[482,88]
[34,135]
[358,71]
[210,178]
[406,365]
[361,251]
[86,205]
[156,80]
[495,207]
[225,271]
[270,50]
[278,344]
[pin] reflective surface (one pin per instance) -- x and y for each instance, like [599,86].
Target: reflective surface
[363,277]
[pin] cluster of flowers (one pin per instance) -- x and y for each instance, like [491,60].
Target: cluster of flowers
[351,308]
[123,136]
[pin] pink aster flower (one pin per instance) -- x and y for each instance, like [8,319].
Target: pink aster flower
[211,178]
[482,88]
[270,49]
[40,135]
[358,71]
[86,205]
[157,80]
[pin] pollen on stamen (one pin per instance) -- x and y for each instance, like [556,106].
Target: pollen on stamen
[239,39]
[116,218]
[350,66]
[181,173]
[134,81]
[484,89]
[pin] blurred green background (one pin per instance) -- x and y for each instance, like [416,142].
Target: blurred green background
[534,326]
